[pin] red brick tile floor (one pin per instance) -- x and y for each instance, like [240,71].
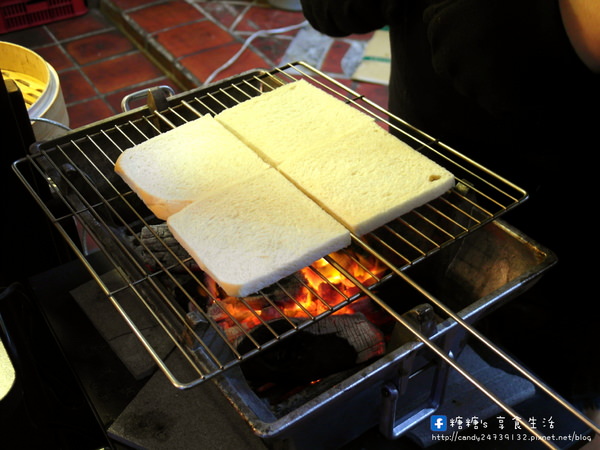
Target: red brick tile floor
[123,46]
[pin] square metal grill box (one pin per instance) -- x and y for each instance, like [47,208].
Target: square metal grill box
[73,180]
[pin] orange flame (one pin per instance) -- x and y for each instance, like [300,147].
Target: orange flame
[325,287]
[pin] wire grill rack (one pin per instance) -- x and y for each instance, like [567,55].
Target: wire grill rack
[88,196]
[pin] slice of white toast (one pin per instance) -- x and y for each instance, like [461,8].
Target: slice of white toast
[170,170]
[368,178]
[290,120]
[249,235]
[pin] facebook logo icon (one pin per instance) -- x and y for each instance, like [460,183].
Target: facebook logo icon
[438,423]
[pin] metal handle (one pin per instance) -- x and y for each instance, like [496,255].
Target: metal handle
[422,317]
[392,427]
[156,97]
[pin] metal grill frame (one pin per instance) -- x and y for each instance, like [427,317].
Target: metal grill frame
[94,198]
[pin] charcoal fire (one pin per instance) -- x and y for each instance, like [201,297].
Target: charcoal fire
[342,339]
[346,335]
[331,345]
[159,248]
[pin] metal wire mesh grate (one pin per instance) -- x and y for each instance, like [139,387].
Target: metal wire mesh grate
[186,306]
